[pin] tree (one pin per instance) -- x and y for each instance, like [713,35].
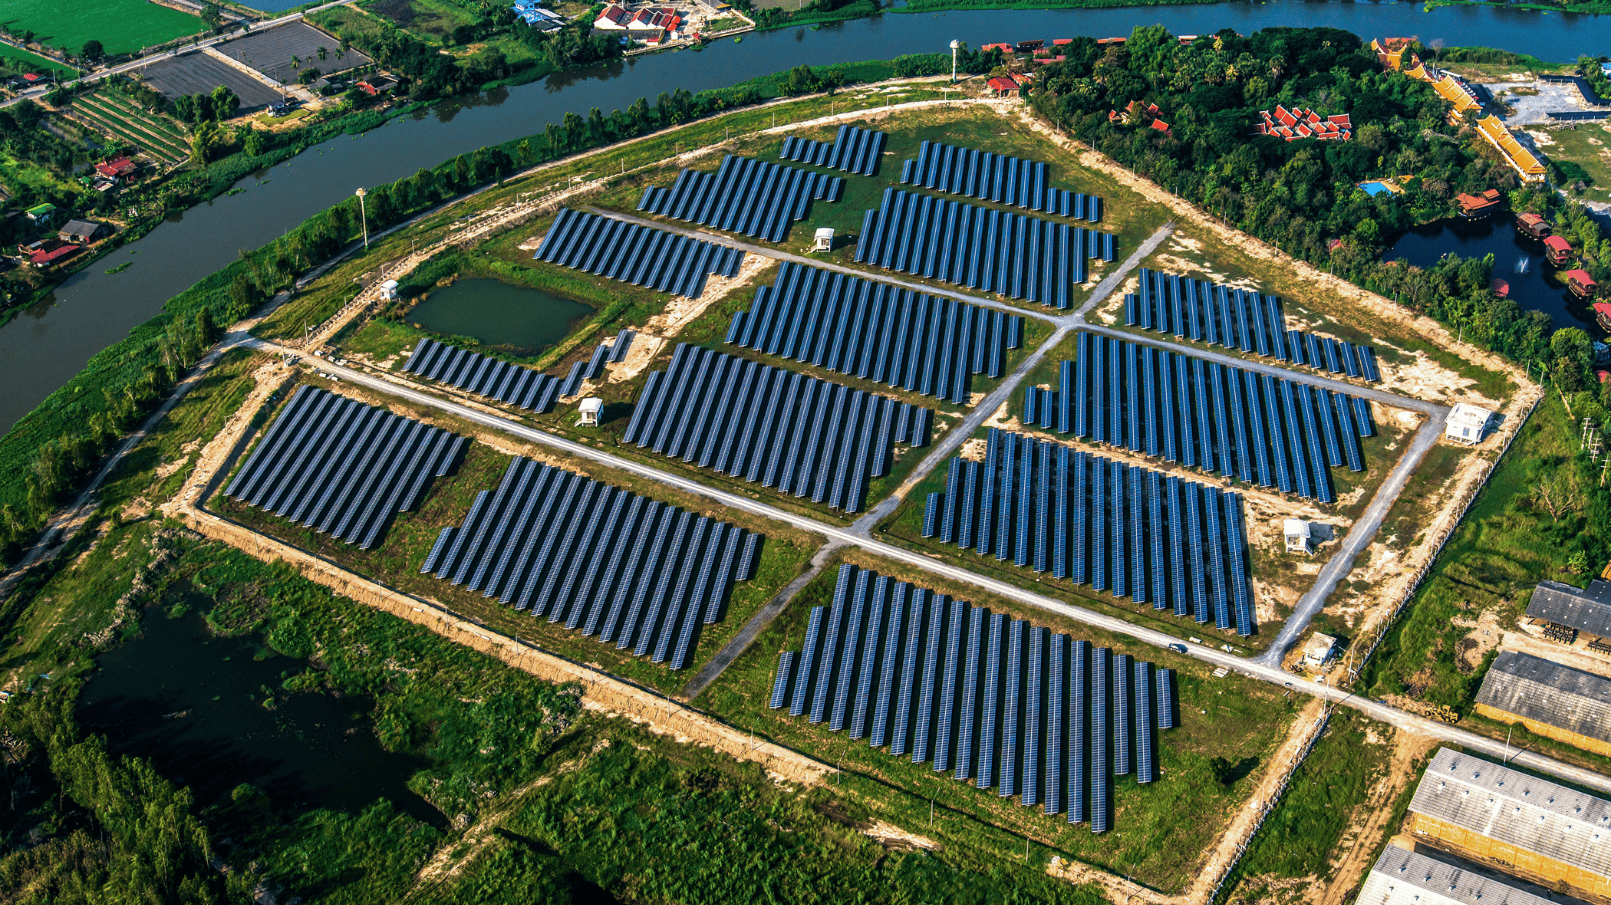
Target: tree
[93,50]
[255,143]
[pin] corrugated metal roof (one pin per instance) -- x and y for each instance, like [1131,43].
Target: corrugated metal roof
[1550,693]
[1532,814]
[1402,877]
[1587,610]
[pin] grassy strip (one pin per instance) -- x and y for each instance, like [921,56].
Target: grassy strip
[1160,828]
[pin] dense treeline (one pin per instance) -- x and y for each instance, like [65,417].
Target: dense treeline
[1302,196]
[23,137]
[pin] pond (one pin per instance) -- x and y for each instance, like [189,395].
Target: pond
[192,703]
[519,320]
[1518,260]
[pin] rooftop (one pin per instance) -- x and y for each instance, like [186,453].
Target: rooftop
[1402,877]
[1469,415]
[1587,610]
[1550,693]
[1531,814]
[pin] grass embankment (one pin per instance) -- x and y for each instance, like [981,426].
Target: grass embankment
[1126,214]
[120,25]
[1299,838]
[1159,829]
[571,806]
[396,561]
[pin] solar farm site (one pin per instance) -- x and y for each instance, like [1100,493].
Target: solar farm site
[911,502]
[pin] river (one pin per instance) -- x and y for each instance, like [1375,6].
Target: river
[42,348]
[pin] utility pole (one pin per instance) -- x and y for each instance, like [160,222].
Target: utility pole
[363,215]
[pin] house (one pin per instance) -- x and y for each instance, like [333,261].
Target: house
[27,80]
[1005,49]
[1458,94]
[1533,225]
[1602,315]
[42,214]
[1029,46]
[47,254]
[1299,537]
[1581,284]
[1474,207]
[1390,51]
[1297,123]
[376,85]
[1466,423]
[1557,250]
[1520,159]
[80,232]
[1320,649]
[1002,86]
[1163,127]
[613,18]
[117,168]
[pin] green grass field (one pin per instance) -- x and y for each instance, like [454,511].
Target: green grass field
[32,62]
[120,25]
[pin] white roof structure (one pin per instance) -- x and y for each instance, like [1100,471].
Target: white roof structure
[1466,423]
[824,232]
[1402,877]
[1296,527]
[591,405]
[1532,814]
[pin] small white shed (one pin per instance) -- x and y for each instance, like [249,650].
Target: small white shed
[823,241]
[589,410]
[1320,649]
[388,290]
[1466,424]
[1299,537]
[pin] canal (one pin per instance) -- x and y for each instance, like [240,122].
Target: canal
[44,347]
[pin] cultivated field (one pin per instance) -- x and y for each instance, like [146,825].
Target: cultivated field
[120,25]
[23,61]
[283,53]
[158,137]
[198,73]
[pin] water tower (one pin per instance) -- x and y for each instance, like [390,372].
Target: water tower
[955,46]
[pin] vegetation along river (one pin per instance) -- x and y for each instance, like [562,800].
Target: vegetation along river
[44,347]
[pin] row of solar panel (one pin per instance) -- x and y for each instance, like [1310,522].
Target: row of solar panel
[853,150]
[878,332]
[1131,531]
[1003,703]
[341,467]
[1238,319]
[785,430]
[750,197]
[483,376]
[981,248]
[592,367]
[995,177]
[636,254]
[1245,425]
[541,540]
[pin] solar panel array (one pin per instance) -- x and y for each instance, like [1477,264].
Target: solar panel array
[779,428]
[636,254]
[899,337]
[1131,531]
[980,248]
[629,570]
[996,701]
[1248,426]
[1238,319]
[592,367]
[342,467]
[853,150]
[747,196]
[995,177]
[483,376]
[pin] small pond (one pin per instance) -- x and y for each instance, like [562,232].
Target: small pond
[522,321]
[192,703]
[1518,260]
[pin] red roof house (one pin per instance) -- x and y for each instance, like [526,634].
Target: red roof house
[1557,249]
[1002,86]
[1161,126]
[45,257]
[117,168]
[1581,284]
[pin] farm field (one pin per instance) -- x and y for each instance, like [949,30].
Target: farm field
[158,137]
[198,73]
[282,53]
[122,26]
[24,60]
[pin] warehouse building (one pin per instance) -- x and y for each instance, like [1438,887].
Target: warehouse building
[1527,826]
[1403,877]
[1553,700]
[1566,610]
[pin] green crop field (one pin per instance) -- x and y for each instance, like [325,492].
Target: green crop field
[32,62]
[120,25]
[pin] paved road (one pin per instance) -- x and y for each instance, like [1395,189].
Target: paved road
[1359,536]
[169,54]
[835,534]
